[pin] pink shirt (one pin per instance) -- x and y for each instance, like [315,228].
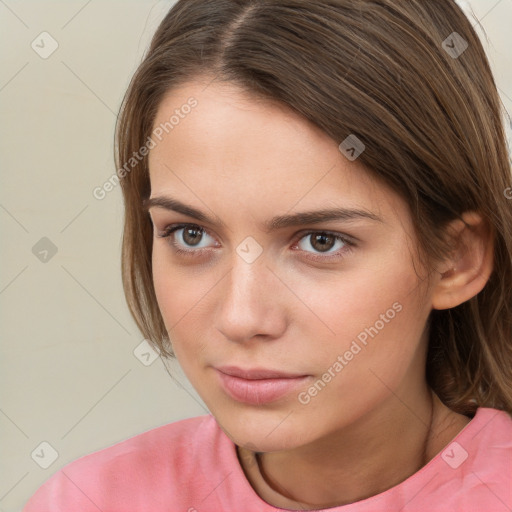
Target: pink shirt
[191,465]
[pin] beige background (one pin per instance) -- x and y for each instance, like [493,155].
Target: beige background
[73,372]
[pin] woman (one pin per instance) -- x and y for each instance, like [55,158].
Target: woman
[317,226]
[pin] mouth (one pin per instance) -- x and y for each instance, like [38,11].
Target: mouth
[258,386]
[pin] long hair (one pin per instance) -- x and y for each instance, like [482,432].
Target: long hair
[412,81]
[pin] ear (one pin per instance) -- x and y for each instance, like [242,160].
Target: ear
[465,273]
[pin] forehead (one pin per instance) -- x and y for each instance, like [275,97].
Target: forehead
[232,149]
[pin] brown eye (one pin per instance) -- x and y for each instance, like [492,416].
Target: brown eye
[192,235]
[185,238]
[324,247]
[322,242]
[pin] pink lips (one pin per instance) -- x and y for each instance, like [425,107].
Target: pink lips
[258,386]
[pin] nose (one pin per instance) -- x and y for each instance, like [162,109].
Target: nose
[251,302]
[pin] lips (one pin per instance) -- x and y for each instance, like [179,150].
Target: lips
[257,386]
[256,373]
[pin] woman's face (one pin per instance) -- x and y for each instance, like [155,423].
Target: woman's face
[328,329]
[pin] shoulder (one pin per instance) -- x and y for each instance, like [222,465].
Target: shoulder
[484,445]
[472,472]
[478,461]
[491,427]
[170,440]
[489,441]
[152,464]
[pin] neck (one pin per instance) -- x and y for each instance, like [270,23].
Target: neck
[366,458]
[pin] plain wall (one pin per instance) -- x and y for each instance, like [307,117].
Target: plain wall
[69,375]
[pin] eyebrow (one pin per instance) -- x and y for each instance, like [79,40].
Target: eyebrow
[278,222]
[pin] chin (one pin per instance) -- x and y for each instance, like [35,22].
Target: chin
[261,429]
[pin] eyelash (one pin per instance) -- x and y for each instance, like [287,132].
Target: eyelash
[349,244]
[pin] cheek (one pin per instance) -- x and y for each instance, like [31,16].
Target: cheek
[332,308]
[375,320]
[182,295]
[173,290]
[344,304]
[362,367]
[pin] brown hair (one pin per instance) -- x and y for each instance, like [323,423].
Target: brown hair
[431,123]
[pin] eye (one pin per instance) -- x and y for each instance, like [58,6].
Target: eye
[191,236]
[324,241]
[186,239]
